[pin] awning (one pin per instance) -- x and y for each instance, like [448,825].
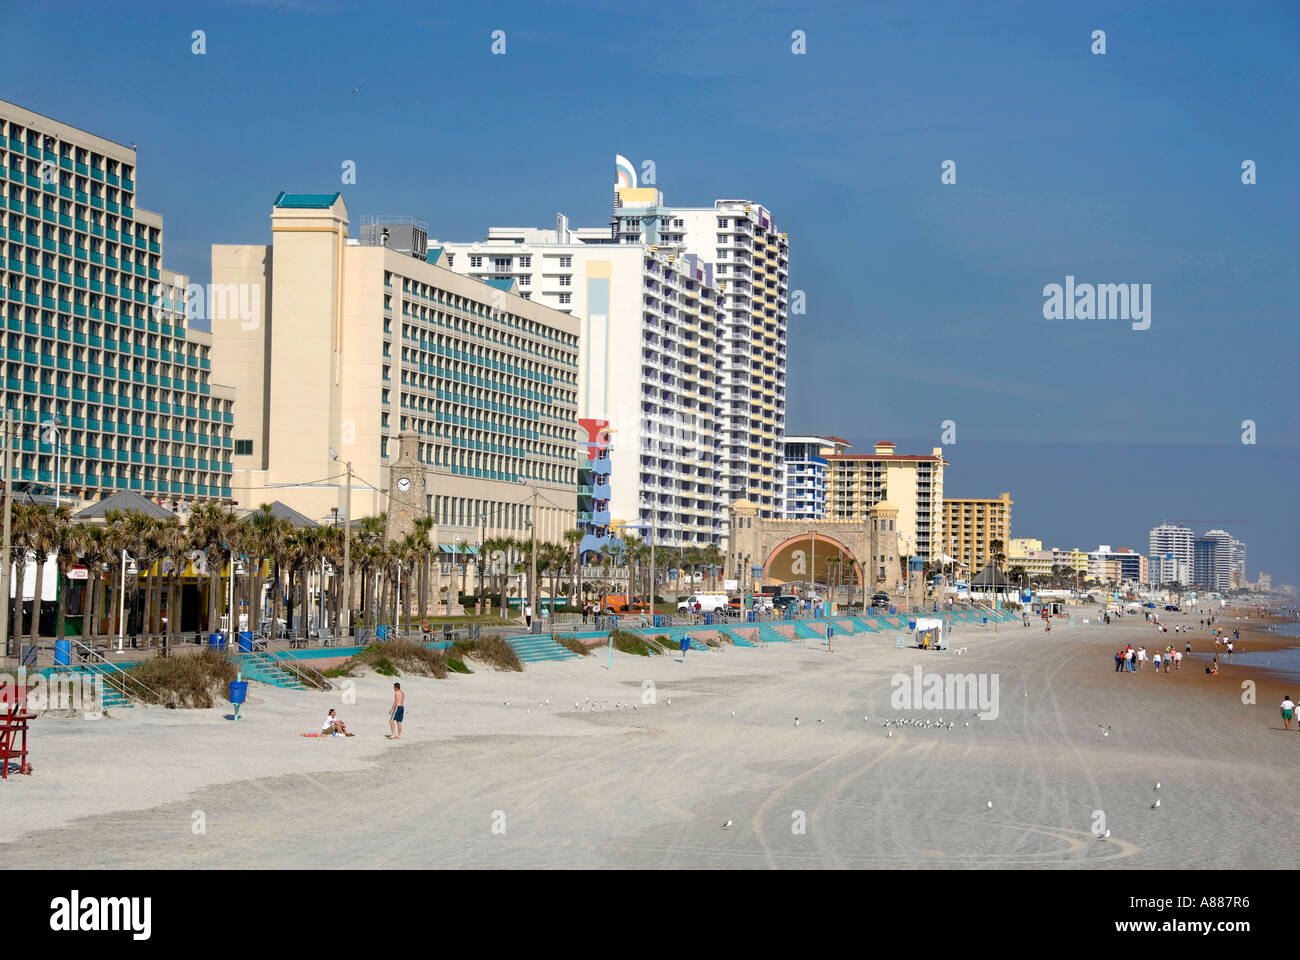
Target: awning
[471,548]
[448,548]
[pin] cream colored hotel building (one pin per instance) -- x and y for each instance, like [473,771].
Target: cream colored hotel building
[355,345]
[913,483]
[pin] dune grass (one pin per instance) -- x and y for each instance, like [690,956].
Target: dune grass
[490,650]
[198,681]
[574,644]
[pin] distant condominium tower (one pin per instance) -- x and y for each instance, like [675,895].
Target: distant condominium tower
[1171,551]
[805,474]
[912,483]
[1212,560]
[972,525]
[108,382]
[451,398]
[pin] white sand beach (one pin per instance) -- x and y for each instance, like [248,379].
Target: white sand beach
[488,775]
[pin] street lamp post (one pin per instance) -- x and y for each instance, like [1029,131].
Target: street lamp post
[8,517]
[345,612]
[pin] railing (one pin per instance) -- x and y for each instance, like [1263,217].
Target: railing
[295,668]
[120,675]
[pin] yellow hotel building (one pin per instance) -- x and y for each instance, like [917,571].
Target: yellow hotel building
[972,524]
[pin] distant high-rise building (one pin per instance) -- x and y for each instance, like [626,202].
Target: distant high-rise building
[1212,560]
[805,474]
[973,524]
[911,483]
[1171,551]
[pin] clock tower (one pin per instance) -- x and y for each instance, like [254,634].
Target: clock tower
[406,487]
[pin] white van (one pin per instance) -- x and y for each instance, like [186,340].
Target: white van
[709,603]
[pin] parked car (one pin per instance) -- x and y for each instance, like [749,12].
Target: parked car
[880,601]
[708,603]
[786,601]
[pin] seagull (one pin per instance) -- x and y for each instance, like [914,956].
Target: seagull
[1156,804]
[990,805]
[733,713]
[890,733]
[355,89]
[1157,786]
[1104,836]
[1105,731]
[796,721]
[968,723]
[821,721]
[726,825]
[670,701]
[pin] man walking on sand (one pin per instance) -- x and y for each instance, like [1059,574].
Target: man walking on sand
[1288,711]
[396,713]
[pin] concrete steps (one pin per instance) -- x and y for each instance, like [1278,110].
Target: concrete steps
[539,648]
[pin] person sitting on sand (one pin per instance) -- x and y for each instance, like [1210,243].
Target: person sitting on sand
[332,724]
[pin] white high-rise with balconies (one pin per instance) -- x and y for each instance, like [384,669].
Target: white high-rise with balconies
[650,327]
[1171,550]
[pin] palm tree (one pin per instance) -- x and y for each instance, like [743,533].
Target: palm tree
[211,528]
[98,552]
[712,556]
[69,545]
[493,546]
[573,538]
[42,540]
[174,549]
[421,532]
[22,523]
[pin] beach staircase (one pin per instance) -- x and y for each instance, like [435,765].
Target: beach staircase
[861,625]
[539,648]
[735,637]
[769,634]
[266,669]
[113,696]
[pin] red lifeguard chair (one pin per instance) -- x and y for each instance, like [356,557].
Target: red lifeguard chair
[13,729]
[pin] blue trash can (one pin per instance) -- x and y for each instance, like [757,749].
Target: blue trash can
[217,641]
[751,616]
[245,641]
[238,691]
[659,620]
[381,631]
[892,609]
[708,618]
[62,653]
[911,624]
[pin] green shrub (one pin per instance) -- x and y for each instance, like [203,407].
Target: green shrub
[490,650]
[179,681]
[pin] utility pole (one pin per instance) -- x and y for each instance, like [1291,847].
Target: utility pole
[653,572]
[532,559]
[8,511]
[345,611]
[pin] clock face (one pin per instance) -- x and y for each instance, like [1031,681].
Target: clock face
[404,484]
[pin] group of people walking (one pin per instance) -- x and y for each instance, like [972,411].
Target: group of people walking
[1130,660]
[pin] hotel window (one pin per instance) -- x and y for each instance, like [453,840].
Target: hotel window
[722,221]
[243,448]
[566,298]
[525,262]
[501,263]
[451,259]
[475,262]
[566,263]
[566,280]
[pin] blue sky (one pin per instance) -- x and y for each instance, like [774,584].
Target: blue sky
[924,300]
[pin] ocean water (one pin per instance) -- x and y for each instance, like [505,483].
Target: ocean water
[1285,663]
